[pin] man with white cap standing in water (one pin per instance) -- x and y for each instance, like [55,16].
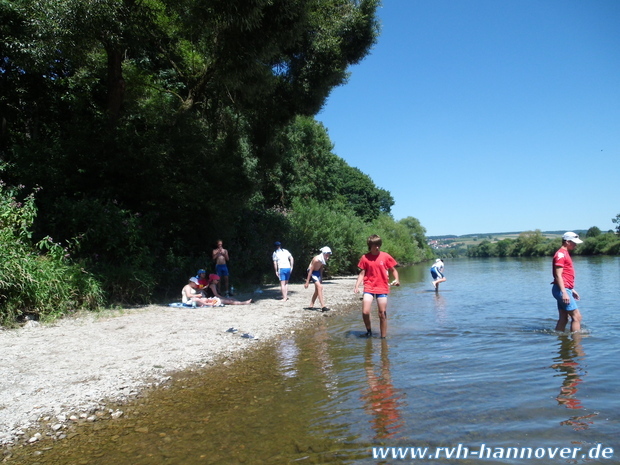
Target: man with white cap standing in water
[564,282]
[315,273]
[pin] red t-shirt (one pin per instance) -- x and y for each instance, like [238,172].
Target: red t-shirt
[376,272]
[562,258]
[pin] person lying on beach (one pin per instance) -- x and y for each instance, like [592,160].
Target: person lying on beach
[211,291]
[190,295]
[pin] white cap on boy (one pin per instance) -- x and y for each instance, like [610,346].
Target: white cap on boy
[571,236]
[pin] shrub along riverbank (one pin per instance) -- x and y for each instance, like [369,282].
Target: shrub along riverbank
[37,278]
[45,279]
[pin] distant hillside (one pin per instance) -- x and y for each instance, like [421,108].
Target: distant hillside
[502,235]
[454,246]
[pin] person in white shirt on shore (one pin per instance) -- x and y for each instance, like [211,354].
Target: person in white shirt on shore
[283,263]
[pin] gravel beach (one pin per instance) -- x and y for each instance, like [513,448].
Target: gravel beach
[56,374]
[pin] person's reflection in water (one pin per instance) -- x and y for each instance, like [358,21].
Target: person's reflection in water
[322,360]
[440,308]
[570,350]
[381,399]
[287,354]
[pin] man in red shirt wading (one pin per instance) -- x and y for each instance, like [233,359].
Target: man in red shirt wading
[564,282]
[374,268]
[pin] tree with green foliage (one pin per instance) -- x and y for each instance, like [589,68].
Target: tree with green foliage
[529,243]
[309,169]
[153,127]
[150,129]
[401,239]
[484,249]
[417,232]
[601,244]
[314,225]
[505,247]
[616,221]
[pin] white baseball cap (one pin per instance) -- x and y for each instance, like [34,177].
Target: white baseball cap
[571,236]
[326,250]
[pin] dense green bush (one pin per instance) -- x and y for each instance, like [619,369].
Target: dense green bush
[315,225]
[37,279]
[601,244]
[117,245]
[404,240]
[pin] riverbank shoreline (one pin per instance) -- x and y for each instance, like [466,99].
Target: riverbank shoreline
[58,374]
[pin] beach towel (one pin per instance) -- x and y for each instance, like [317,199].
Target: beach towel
[182,305]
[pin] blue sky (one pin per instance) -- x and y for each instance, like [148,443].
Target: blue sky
[488,115]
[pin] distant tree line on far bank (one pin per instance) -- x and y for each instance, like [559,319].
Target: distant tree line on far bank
[535,244]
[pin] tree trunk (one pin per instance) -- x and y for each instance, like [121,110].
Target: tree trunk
[116,84]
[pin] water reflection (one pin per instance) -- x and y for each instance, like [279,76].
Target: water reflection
[381,399]
[322,361]
[440,308]
[567,363]
[287,353]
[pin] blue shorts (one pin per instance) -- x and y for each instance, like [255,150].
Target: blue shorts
[316,276]
[436,274]
[376,295]
[557,293]
[221,270]
[285,274]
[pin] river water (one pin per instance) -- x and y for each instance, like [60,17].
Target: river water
[475,368]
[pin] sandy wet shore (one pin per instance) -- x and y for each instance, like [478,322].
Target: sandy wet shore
[53,375]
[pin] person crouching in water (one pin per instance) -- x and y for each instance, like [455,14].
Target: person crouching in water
[211,291]
[192,297]
[374,267]
[437,273]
